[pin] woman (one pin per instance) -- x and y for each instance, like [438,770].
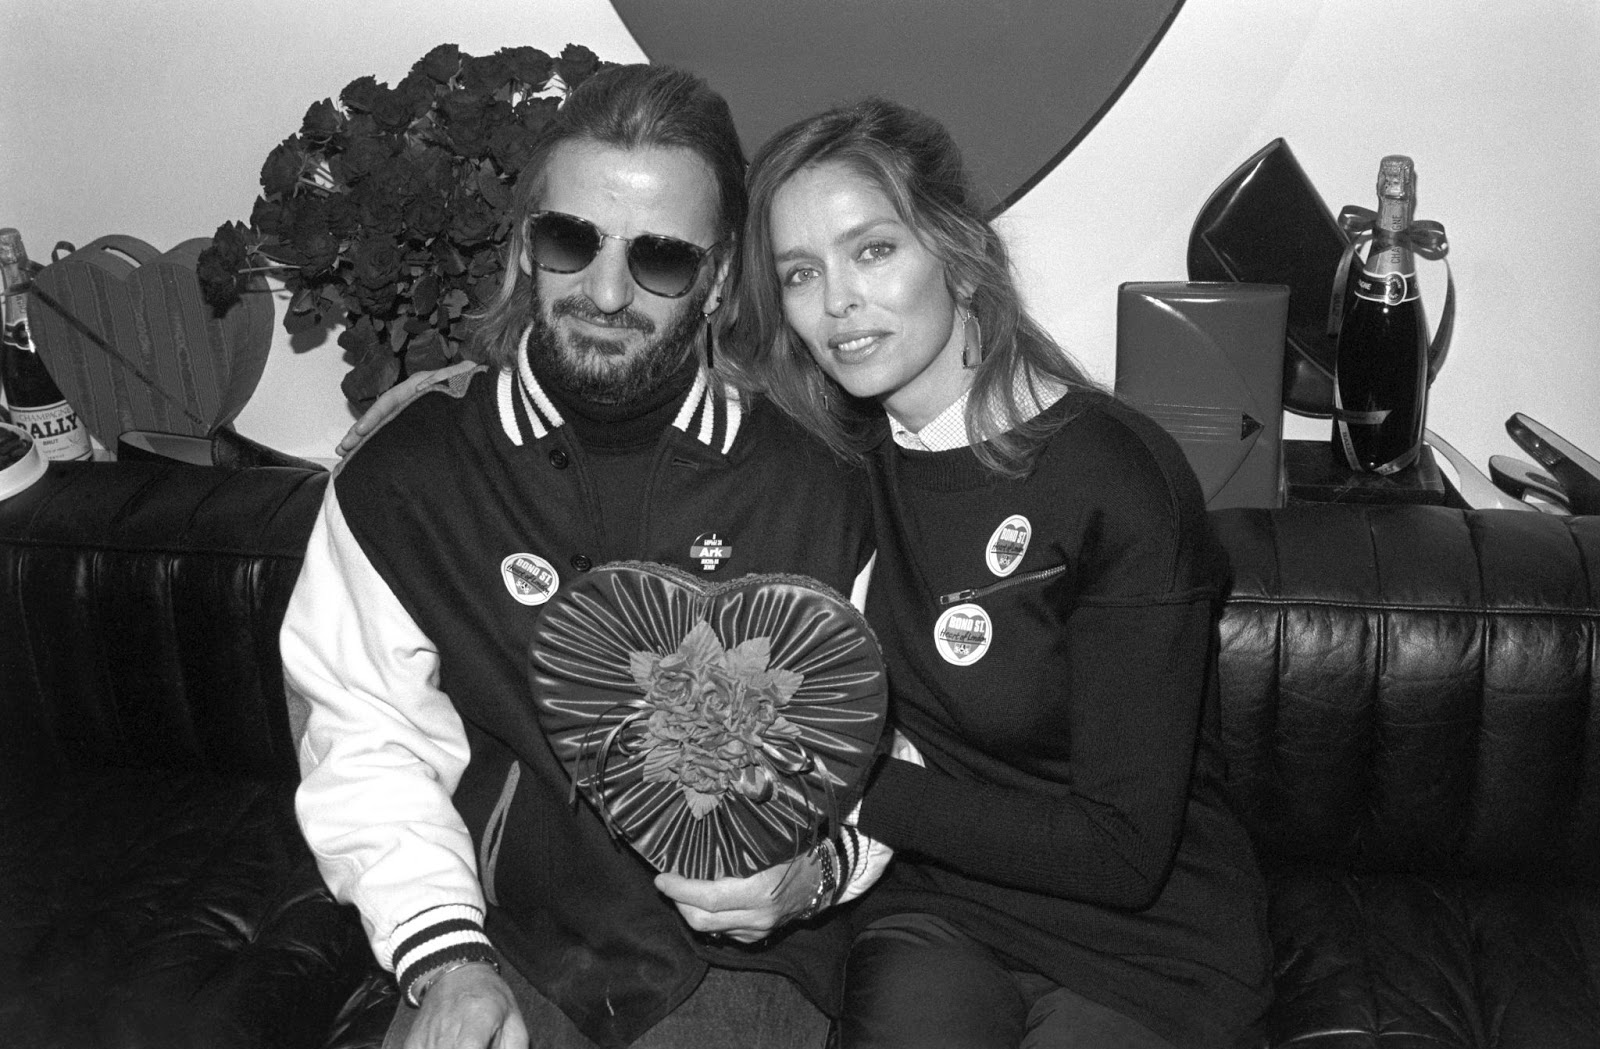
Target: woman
[1067,871]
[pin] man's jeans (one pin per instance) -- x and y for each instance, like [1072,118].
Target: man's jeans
[729,1010]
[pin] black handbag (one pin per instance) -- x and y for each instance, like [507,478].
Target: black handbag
[1267,224]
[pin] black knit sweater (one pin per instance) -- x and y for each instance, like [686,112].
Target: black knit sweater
[1071,814]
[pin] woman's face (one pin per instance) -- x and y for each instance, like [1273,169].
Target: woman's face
[865,296]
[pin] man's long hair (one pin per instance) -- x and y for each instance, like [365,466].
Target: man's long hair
[629,107]
[913,161]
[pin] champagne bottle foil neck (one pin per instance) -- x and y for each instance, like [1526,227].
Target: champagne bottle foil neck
[11,252]
[1397,177]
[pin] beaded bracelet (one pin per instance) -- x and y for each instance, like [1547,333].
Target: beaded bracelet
[419,986]
[827,856]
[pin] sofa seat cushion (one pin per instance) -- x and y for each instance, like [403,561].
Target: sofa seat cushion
[149,908]
[1394,960]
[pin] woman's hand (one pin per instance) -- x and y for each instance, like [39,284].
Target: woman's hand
[396,397]
[744,909]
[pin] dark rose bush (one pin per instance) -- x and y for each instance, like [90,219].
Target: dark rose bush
[388,208]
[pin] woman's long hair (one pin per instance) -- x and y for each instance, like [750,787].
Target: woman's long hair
[911,158]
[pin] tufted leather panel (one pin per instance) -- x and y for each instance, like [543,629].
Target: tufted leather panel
[154,888]
[1416,690]
[138,623]
[1411,709]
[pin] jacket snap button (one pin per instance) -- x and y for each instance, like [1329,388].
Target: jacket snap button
[558,458]
[582,562]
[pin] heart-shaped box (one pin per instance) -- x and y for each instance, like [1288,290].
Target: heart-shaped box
[125,333]
[717,728]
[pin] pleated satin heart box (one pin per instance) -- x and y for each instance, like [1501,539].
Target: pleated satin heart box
[127,337]
[717,729]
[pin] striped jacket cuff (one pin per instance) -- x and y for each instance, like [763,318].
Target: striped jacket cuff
[437,937]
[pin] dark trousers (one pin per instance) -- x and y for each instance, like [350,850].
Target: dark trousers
[729,1010]
[915,981]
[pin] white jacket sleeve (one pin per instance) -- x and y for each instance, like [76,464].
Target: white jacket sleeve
[381,750]
[864,859]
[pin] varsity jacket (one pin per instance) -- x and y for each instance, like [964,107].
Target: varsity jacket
[429,796]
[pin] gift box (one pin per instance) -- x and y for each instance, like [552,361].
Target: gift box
[718,730]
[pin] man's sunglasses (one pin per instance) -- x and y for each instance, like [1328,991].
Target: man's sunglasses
[664,266]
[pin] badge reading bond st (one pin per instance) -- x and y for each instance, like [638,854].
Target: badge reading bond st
[530,578]
[962,634]
[1007,545]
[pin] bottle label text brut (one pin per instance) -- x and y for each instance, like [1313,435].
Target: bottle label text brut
[1391,289]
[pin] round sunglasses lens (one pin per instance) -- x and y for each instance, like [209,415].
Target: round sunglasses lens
[664,266]
[563,245]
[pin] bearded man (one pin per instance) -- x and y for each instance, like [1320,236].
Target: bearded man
[429,796]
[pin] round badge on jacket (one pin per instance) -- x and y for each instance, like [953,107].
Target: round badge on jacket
[530,578]
[1007,545]
[962,634]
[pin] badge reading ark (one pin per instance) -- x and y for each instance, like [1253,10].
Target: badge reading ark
[710,550]
[1007,545]
[962,634]
[530,578]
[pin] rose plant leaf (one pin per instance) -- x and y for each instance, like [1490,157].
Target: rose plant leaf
[748,658]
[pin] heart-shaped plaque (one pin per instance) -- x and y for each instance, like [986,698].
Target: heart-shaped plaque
[715,728]
[124,332]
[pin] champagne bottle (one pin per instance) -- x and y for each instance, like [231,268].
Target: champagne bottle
[34,400]
[1381,365]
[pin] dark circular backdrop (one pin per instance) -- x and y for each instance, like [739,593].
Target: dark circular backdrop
[1017,82]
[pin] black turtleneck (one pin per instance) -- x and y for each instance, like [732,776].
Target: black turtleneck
[620,441]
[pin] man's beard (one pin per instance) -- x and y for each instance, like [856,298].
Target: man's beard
[605,371]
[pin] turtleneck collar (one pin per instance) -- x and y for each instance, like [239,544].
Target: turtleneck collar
[620,427]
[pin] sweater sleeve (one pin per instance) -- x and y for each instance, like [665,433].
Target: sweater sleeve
[381,751]
[1108,836]
[1127,668]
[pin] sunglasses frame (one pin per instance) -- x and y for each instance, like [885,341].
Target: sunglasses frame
[701,254]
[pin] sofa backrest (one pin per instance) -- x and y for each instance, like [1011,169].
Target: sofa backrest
[139,618]
[1403,688]
[1415,688]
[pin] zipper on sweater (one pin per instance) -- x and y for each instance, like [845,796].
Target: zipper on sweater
[1003,584]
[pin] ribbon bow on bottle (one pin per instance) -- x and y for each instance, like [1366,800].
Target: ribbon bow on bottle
[1424,238]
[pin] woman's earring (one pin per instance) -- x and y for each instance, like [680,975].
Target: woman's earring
[711,341]
[711,335]
[971,340]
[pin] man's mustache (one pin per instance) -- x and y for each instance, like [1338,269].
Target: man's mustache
[582,307]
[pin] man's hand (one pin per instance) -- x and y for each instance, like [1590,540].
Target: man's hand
[744,909]
[393,399]
[468,1008]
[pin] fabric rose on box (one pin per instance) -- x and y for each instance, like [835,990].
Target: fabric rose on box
[715,724]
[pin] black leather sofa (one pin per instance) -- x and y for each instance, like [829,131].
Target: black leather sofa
[154,888]
[1411,697]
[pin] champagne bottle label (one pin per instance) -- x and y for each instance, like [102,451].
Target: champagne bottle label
[55,429]
[1390,289]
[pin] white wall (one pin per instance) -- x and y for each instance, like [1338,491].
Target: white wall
[1498,104]
[152,119]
